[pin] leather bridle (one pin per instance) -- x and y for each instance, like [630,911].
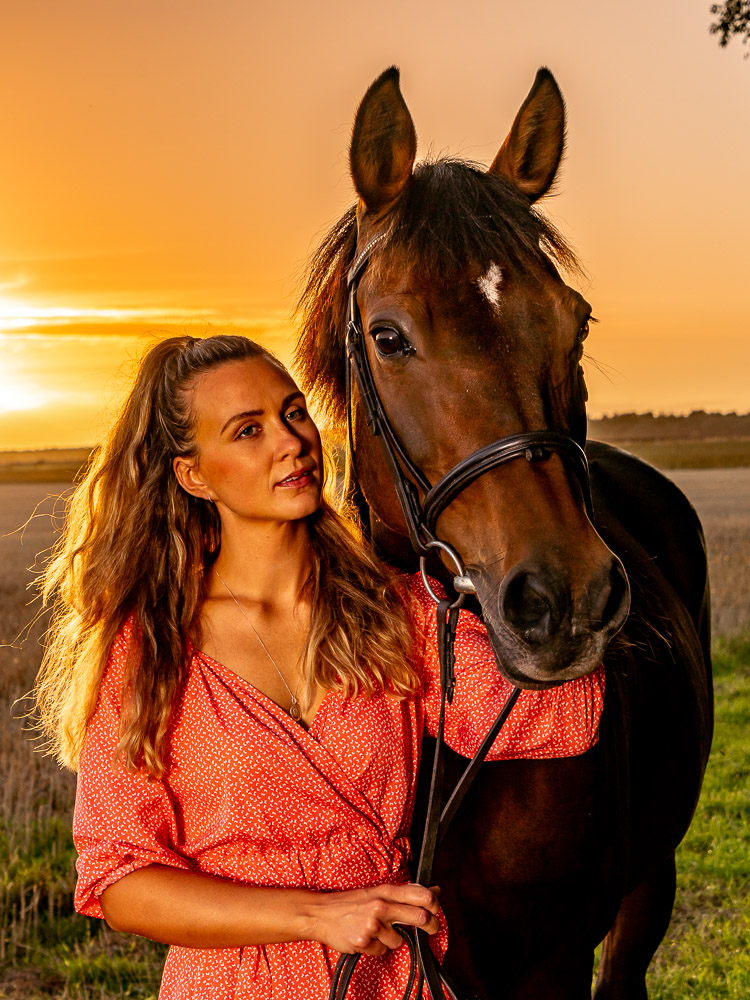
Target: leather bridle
[421,516]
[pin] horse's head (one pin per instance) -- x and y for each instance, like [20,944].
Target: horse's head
[473,336]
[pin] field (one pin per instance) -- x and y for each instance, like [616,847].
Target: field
[723,453]
[46,952]
[56,464]
[722,499]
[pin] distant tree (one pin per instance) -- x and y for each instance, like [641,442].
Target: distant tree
[734,19]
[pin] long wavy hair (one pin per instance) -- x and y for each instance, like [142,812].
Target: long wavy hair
[135,543]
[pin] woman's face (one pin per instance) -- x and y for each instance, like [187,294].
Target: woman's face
[259,455]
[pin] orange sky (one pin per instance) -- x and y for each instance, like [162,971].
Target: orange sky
[168,164]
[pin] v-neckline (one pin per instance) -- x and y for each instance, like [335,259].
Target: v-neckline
[261,695]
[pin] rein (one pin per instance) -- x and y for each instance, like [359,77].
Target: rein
[421,516]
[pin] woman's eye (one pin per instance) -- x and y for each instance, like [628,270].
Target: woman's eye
[390,343]
[249,430]
[296,414]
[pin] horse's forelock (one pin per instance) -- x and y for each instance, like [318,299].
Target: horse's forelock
[454,213]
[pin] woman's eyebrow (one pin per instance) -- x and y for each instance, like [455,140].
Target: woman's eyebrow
[241,416]
[259,413]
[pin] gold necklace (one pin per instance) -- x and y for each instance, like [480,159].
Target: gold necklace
[294,710]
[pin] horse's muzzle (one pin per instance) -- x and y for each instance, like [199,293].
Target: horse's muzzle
[543,630]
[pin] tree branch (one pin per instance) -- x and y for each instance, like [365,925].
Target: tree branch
[734,19]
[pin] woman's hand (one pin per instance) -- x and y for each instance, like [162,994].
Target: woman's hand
[361,920]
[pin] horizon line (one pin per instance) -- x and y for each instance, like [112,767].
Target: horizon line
[603,417]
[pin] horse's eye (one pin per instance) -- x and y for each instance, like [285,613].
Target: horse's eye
[586,328]
[390,344]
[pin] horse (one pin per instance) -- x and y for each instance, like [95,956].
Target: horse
[473,337]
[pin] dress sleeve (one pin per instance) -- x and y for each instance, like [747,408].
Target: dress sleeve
[560,722]
[122,821]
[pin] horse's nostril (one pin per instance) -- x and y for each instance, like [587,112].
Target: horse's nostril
[617,603]
[529,607]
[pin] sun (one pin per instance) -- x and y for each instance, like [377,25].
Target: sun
[15,315]
[17,391]
[19,394]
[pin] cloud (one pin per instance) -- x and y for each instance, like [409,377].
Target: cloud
[11,284]
[17,316]
[85,253]
[27,320]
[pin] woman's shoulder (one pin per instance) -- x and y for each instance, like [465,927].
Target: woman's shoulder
[413,593]
[126,640]
[127,634]
[122,649]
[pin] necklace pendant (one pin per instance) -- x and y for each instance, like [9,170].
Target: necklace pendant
[294,710]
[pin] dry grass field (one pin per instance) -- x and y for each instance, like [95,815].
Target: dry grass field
[722,499]
[42,466]
[70,959]
[69,956]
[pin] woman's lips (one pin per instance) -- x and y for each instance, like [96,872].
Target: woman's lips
[298,479]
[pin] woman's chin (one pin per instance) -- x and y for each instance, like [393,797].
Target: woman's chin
[306,502]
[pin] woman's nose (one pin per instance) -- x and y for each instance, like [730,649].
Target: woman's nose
[288,442]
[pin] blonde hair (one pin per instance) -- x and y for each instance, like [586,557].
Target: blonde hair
[134,542]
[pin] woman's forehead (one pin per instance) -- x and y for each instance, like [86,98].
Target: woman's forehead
[252,384]
[247,376]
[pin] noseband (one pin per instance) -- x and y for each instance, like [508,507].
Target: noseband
[421,518]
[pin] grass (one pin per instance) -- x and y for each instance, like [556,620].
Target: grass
[48,952]
[706,953]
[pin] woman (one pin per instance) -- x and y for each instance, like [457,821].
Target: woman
[243,689]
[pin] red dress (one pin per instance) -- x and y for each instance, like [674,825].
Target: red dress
[252,796]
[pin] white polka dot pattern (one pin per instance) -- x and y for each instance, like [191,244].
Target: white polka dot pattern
[253,797]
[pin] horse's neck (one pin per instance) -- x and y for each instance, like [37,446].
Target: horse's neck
[356,501]
[393,548]
[390,546]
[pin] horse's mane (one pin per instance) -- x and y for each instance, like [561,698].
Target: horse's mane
[452,214]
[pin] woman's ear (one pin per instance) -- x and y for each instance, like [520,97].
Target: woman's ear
[188,476]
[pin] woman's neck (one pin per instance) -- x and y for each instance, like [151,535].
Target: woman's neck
[267,564]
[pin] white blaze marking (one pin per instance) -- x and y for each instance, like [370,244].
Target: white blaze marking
[489,285]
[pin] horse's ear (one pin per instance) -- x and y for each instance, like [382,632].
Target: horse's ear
[384,144]
[531,154]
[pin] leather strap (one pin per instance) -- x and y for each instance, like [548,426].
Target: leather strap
[533,446]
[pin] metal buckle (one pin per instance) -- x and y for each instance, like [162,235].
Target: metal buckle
[462,584]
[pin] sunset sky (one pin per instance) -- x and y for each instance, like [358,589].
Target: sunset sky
[168,165]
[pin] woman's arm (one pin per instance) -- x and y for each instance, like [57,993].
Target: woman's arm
[200,911]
